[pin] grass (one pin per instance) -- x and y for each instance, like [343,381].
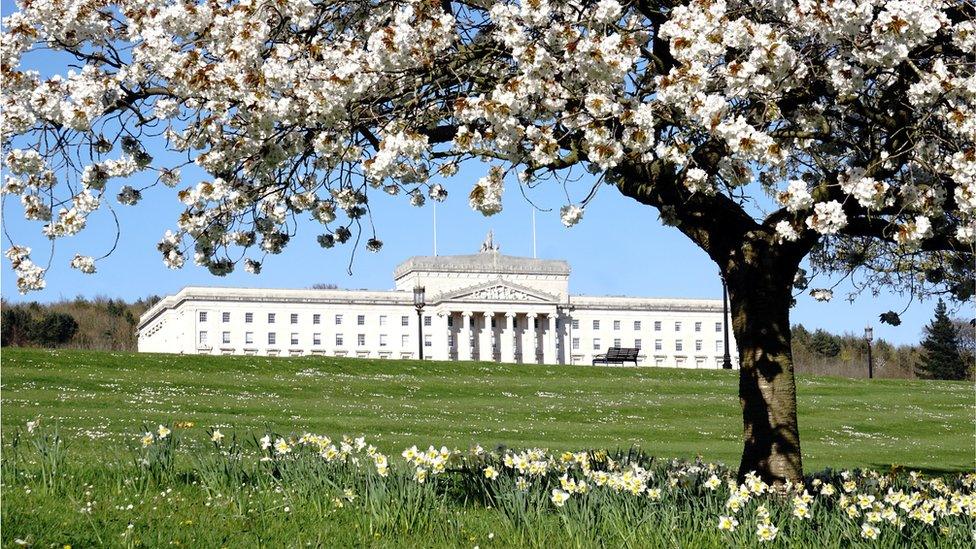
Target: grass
[84,478]
[102,399]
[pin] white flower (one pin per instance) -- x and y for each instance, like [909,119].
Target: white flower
[827,218]
[486,196]
[786,232]
[83,263]
[559,497]
[727,523]
[796,197]
[822,294]
[163,431]
[217,436]
[265,442]
[570,214]
[766,531]
[869,532]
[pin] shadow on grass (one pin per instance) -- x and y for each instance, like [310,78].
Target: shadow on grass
[925,470]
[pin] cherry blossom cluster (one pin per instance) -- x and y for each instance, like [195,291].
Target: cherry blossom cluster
[298,109]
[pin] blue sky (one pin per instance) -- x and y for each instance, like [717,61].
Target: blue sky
[620,248]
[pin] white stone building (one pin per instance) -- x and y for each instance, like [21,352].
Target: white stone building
[484,306]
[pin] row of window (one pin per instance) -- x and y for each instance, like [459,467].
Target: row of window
[316,318]
[405,321]
[637,325]
[225,338]
[658,344]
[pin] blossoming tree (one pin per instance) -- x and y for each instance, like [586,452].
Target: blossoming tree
[766,131]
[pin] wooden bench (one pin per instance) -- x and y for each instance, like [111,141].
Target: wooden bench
[617,355]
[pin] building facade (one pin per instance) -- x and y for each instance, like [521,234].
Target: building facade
[485,306]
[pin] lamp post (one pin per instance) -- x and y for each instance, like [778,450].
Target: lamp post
[726,359]
[868,336]
[418,302]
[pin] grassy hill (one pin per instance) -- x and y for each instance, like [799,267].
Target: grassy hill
[102,400]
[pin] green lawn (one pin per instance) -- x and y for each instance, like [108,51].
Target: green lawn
[102,399]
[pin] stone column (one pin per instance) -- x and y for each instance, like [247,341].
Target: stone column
[485,339]
[438,336]
[464,336]
[549,340]
[506,342]
[530,339]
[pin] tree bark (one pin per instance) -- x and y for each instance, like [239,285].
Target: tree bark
[760,291]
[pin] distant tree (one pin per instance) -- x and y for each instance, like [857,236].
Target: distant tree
[825,344]
[801,336]
[15,326]
[324,286]
[966,330]
[942,358]
[54,329]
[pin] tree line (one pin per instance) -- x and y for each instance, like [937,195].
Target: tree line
[100,323]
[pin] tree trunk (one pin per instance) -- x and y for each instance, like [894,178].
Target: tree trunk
[760,291]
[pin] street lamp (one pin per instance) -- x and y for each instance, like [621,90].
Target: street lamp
[726,359]
[418,302]
[868,336]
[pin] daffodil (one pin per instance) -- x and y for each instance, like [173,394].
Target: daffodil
[491,473]
[766,531]
[727,523]
[869,532]
[147,439]
[217,436]
[559,497]
[163,431]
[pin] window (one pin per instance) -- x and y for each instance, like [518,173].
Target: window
[679,345]
[361,320]
[248,318]
[427,320]
[575,343]
[272,337]
[225,337]
[637,325]
[316,339]
[203,337]
[203,316]
[316,319]
[404,341]
[575,324]
[677,326]
[637,343]
[361,340]
[616,342]
[382,340]
[698,345]
[294,338]
[596,344]
[658,344]
[404,320]
[294,318]
[427,341]
[616,324]
[718,346]
[718,327]
[271,318]
[225,317]
[450,321]
[492,322]
[698,326]
[382,320]
[535,322]
[657,325]
[596,324]
[249,338]
[339,342]
[338,320]
[450,341]
[514,322]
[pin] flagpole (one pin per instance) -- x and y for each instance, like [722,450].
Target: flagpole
[435,228]
[535,255]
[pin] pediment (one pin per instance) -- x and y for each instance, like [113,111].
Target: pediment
[498,291]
